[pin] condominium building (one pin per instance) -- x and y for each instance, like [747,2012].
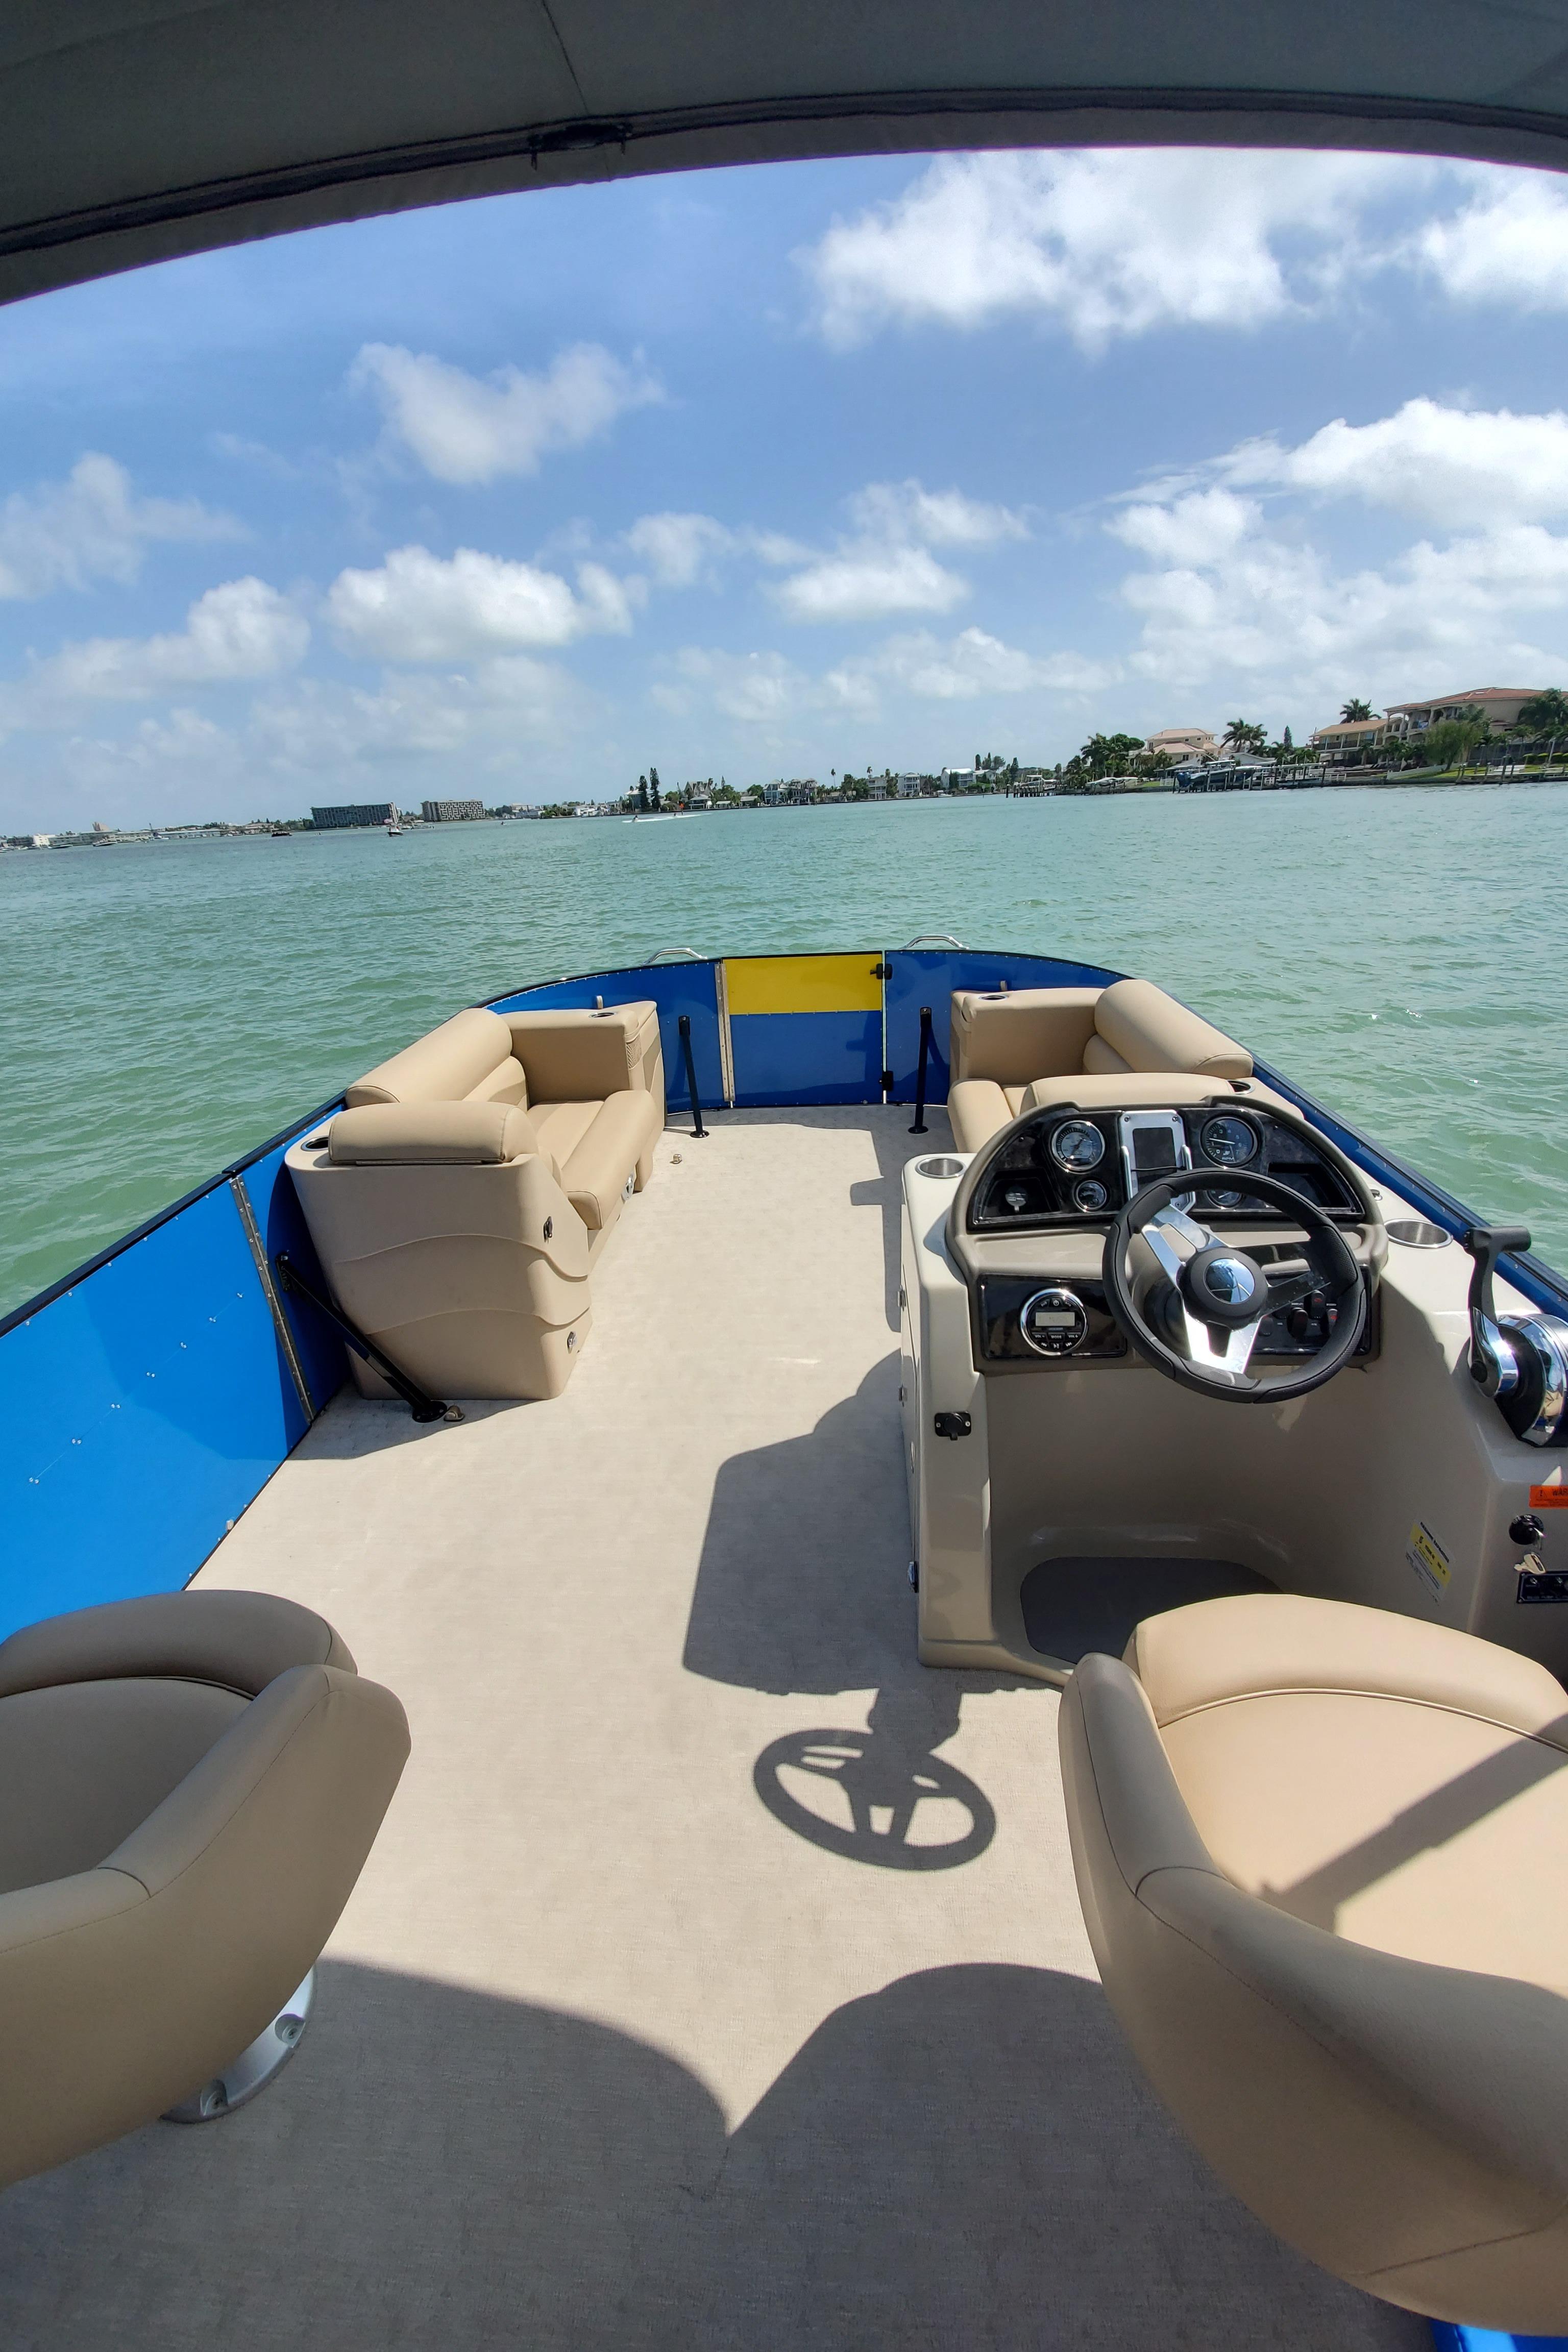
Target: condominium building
[327,820]
[451,812]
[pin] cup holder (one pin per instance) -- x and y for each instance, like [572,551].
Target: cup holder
[944,1165]
[1415,1232]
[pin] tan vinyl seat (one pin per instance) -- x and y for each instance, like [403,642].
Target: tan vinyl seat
[1006,1043]
[192,1784]
[1322,1852]
[457,1203]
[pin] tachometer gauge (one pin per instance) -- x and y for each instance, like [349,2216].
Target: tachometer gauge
[1075,1145]
[1229,1142]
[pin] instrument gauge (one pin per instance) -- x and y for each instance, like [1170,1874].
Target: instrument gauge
[1229,1142]
[1226,1199]
[1076,1145]
[1091,1195]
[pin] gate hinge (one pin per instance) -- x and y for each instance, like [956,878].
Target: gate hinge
[953,1424]
[887,1081]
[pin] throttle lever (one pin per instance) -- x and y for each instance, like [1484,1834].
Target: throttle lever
[1494,1359]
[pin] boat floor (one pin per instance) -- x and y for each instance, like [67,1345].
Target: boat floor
[663,2014]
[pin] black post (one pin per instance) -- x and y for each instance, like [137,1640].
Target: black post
[420,1403]
[697,1127]
[920,1125]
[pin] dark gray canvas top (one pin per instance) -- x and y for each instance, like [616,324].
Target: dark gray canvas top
[133,130]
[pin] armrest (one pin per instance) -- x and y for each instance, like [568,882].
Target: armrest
[572,1055]
[427,1134]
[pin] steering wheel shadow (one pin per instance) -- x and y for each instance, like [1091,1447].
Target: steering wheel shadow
[879,1796]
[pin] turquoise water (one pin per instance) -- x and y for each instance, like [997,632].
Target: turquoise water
[1400,954]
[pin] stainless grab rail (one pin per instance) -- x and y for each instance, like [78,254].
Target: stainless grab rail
[934,939]
[674,951]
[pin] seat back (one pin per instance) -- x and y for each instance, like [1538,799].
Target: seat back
[1397,2120]
[208,1842]
[448,1239]
[1138,1027]
[469,1056]
[1013,1037]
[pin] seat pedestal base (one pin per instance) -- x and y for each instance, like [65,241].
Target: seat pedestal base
[253,2068]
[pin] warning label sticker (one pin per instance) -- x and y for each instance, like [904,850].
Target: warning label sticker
[1549,1498]
[1428,1559]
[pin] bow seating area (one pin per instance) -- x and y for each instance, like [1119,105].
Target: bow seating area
[1016,1049]
[459,1199]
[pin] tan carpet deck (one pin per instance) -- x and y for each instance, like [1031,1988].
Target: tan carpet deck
[606,2052]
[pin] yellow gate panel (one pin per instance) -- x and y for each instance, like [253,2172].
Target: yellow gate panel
[804,983]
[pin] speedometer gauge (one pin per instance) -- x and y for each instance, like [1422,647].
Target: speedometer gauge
[1075,1145]
[1229,1142]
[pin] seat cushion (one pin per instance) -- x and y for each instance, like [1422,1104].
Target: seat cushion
[597,1170]
[444,1067]
[1150,1031]
[559,1126]
[978,1109]
[1397,1784]
[83,1764]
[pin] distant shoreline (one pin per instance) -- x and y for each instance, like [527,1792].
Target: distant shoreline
[1441,781]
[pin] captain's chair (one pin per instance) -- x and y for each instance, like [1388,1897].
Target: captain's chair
[189,1786]
[1322,1852]
[1013,1050]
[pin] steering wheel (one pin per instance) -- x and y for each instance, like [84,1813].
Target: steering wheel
[1220,1297]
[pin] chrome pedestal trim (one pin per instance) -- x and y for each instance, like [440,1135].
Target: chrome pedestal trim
[253,2068]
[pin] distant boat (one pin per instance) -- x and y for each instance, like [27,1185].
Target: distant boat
[281,833]
[393,826]
[661,819]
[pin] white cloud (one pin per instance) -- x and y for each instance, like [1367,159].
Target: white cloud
[757,689]
[420,607]
[1110,242]
[974,663]
[1507,245]
[242,630]
[894,510]
[886,566]
[1451,466]
[767,691]
[92,526]
[862,583]
[467,429]
[1203,527]
[679,550]
[493,713]
[1267,608]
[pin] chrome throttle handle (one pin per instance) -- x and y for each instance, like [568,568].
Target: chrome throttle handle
[1494,1361]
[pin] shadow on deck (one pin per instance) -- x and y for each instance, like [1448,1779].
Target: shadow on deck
[964,2157]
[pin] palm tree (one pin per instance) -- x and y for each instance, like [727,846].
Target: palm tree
[1244,735]
[1351,712]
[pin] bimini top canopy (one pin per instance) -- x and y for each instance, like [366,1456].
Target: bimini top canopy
[133,130]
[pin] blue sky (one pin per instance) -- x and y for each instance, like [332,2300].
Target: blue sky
[779,471]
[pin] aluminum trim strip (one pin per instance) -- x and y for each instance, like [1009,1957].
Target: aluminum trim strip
[279,1320]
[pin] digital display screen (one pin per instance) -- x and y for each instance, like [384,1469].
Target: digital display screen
[1153,1152]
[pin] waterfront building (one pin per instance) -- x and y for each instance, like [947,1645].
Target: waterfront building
[452,812]
[1499,706]
[352,813]
[910,787]
[1183,744]
[1350,735]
